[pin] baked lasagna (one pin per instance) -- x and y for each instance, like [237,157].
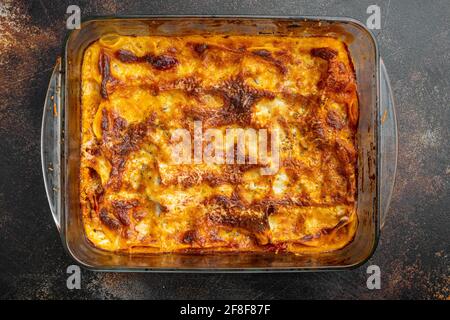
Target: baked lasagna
[138,91]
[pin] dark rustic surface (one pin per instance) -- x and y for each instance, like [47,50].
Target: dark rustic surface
[414,249]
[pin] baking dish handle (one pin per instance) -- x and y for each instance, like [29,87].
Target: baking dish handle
[51,143]
[388,143]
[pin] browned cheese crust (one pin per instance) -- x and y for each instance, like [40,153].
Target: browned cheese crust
[137,90]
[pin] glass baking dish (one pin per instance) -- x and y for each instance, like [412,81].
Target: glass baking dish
[376,139]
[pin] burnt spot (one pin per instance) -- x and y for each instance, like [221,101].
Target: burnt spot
[126,56]
[161,62]
[95,177]
[226,202]
[189,237]
[108,220]
[338,77]
[121,210]
[105,120]
[125,204]
[199,48]
[119,123]
[131,139]
[190,85]
[239,99]
[334,120]
[324,53]
[123,216]
[94,149]
[164,62]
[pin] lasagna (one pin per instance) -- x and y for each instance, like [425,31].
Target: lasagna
[138,91]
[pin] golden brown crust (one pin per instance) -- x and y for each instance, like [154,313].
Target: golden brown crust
[137,90]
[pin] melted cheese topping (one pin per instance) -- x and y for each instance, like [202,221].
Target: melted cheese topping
[137,90]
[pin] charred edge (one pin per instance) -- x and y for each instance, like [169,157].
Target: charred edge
[161,62]
[338,77]
[105,71]
[267,56]
[200,49]
[324,53]
[109,221]
[346,155]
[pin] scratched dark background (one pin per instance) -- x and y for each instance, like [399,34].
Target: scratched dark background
[413,252]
